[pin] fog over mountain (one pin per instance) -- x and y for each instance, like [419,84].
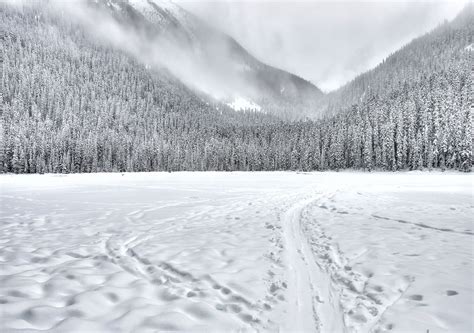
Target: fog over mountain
[326,42]
[163,36]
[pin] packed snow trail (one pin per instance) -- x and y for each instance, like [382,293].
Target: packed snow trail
[302,315]
[283,251]
[312,306]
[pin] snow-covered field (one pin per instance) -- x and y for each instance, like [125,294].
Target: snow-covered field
[237,251]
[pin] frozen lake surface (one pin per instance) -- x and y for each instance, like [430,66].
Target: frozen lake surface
[277,251]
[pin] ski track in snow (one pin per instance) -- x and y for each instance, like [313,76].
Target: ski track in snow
[312,305]
[306,252]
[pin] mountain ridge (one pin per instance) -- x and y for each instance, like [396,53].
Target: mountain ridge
[360,88]
[221,56]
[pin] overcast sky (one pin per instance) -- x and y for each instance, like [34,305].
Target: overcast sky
[326,42]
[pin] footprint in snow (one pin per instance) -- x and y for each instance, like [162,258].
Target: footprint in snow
[416,297]
[378,289]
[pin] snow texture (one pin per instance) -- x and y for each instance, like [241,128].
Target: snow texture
[237,251]
[242,104]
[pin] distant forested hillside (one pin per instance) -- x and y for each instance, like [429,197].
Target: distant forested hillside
[72,104]
[413,110]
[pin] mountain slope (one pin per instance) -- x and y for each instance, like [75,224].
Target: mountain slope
[434,52]
[227,69]
[413,110]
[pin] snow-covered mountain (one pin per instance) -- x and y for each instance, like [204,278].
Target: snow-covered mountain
[216,63]
[91,96]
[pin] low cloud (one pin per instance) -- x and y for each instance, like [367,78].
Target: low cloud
[158,51]
[326,42]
